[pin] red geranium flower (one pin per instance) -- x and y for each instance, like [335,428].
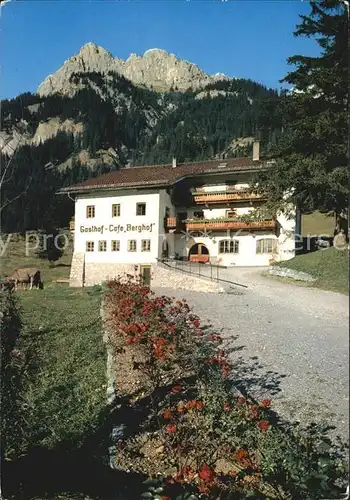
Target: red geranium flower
[263,425]
[255,411]
[265,402]
[241,455]
[204,489]
[227,407]
[187,472]
[206,473]
[167,414]
[171,428]
[176,389]
[241,400]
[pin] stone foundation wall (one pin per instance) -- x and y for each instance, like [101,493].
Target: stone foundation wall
[163,277]
[96,273]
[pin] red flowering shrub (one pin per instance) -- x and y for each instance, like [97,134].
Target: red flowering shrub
[200,434]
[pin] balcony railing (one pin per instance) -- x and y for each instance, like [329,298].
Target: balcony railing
[224,224]
[224,196]
[173,224]
[72,226]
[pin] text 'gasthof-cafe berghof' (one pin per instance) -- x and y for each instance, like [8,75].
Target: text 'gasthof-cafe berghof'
[118,229]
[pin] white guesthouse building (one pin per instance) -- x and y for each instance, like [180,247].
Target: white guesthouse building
[127,220]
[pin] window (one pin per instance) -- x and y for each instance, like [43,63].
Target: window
[115,245]
[267,245]
[198,215]
[132,246]
[145,245]
[90,211]
[102,246]
[231,213]
[229,246]
[90,246]
[140,208]
[116,210]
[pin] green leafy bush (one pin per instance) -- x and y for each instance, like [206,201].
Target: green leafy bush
[12,361]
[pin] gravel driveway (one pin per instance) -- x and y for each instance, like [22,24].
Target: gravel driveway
[290,343]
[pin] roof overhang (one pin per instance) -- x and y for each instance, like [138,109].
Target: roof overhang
[218,171]
[114,187]
[162,183]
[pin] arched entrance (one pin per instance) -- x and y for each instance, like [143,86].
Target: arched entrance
[198,253]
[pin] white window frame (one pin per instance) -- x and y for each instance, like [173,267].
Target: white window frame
[117,245]
[130,249]
[90,246]
[145,245]
[262,243]
[139,205]
[229,247]
[88,209]
[117,207]
[102,246]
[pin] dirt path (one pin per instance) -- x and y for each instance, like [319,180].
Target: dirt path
[290,343]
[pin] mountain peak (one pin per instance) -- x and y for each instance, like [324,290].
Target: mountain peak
[91,57]
[93,47]
[156,68]
[155,50]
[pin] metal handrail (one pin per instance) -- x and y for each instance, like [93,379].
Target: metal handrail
[177,268]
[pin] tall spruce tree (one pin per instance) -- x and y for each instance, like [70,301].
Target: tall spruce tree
[312,153]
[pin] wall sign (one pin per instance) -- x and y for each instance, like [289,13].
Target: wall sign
[126,228]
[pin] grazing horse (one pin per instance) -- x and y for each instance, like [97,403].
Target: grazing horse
[26,276]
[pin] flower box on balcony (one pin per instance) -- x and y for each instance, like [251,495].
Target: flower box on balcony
[225,196]
[224,224]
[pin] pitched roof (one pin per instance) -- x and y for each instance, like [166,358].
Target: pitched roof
[162,175]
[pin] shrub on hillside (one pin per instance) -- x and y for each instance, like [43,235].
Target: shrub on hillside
[12,423]
[201,436]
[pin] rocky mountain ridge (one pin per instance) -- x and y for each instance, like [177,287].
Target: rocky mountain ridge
[156,69]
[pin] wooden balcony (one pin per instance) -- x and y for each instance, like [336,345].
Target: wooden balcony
[72,226]
[224,224]
[173,224]
[201,197]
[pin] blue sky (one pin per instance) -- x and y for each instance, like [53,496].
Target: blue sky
[249,39]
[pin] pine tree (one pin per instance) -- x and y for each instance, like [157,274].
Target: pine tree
[311,155]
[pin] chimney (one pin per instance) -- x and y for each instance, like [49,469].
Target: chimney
[174,162]
[256,150]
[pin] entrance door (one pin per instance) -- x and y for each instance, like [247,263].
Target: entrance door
[165,250]
[145,273]
[199,253]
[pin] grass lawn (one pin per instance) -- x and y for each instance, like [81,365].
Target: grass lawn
[64,392]
[329,266]
[65,387]
[317,224]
